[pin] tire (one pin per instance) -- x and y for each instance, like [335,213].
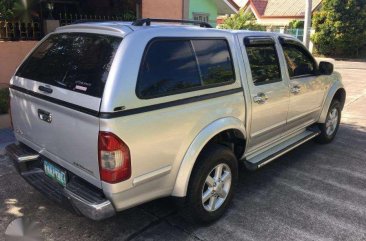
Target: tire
[328,130]
[218,191]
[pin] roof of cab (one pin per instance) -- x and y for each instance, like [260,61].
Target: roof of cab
[124,28]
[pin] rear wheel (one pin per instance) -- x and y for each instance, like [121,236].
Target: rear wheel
[211,185]
[330,127]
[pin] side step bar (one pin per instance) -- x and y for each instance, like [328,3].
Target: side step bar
[261,160]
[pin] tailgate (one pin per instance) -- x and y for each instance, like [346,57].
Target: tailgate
[56,96]
[69,137]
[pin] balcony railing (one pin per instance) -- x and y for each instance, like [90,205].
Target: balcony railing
[67,19]
[16,30]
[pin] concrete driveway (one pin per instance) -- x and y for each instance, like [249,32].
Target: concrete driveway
[316,192]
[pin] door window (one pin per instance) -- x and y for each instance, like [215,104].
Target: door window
[299,62]
[264,64]
[214,60]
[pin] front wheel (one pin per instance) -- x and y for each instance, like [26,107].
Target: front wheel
[211,185]
[328,130]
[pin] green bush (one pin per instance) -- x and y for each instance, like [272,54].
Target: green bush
[241,20]
[4,100]
[340,28]
[6,9]
[296,24]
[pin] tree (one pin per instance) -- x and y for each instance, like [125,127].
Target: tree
[340,27]
[6,9]
[23,9]
[241,20]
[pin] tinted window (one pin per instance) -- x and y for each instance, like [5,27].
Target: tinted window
[214,60]
[169,66]
[264,64]
[74,61]
[299,61]
[176,66]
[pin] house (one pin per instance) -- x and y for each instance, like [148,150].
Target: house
[279,12]
[209,10]
[203,10]
[46,15]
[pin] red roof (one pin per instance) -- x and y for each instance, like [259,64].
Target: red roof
[260,5]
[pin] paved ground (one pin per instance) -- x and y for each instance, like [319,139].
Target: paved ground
[313,193]
[6,137]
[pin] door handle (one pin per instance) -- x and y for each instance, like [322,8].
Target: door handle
[46,89]
[45,116]
[295,89]
[260,98]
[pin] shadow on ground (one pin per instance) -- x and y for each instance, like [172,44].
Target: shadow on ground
[314,192]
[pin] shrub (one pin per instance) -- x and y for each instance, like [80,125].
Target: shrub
[340,27]
[241,20]
[296,24]
[6,9]
[4,100]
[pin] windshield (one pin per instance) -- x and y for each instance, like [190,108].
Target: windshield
[75,61]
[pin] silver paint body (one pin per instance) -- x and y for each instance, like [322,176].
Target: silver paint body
[165,143]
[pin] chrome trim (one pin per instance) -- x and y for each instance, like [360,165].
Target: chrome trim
[21,154]
[94,211]
[151,175]
[303,115]
[268,129]
[288,149]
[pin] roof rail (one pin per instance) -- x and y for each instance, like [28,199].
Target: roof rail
[147,22]
[90,21]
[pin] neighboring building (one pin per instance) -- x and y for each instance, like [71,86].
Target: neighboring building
[279,12]
[44,16]
[208,10]
[162,9]
[203,10]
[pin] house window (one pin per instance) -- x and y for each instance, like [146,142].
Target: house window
[201,17]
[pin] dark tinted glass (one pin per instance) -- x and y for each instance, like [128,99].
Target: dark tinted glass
[264,64]
[299,62]
[214,60]
[169,67]
[74,61]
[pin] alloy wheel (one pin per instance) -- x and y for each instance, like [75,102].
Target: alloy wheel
[216,187]
[332,121]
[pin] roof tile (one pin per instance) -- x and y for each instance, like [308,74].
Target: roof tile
[286,8]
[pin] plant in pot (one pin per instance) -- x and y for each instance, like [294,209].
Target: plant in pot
[4,106]
[4,99]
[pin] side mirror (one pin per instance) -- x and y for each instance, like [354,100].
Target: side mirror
[325,68]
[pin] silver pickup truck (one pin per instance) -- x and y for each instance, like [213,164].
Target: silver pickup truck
[111,115]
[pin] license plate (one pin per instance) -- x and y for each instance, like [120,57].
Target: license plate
[55,173]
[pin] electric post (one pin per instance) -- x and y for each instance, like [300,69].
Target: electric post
[307,23]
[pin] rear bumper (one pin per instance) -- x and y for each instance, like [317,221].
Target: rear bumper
[78,195]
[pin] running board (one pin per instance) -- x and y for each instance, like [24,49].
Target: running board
[266,157]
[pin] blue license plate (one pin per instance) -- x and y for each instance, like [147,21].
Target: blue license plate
[55,173]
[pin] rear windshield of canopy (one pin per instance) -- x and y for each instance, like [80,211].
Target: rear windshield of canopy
[75,61]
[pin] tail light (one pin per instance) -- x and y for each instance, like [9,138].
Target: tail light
[114,158]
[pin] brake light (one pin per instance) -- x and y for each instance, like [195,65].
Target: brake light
[114,158]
